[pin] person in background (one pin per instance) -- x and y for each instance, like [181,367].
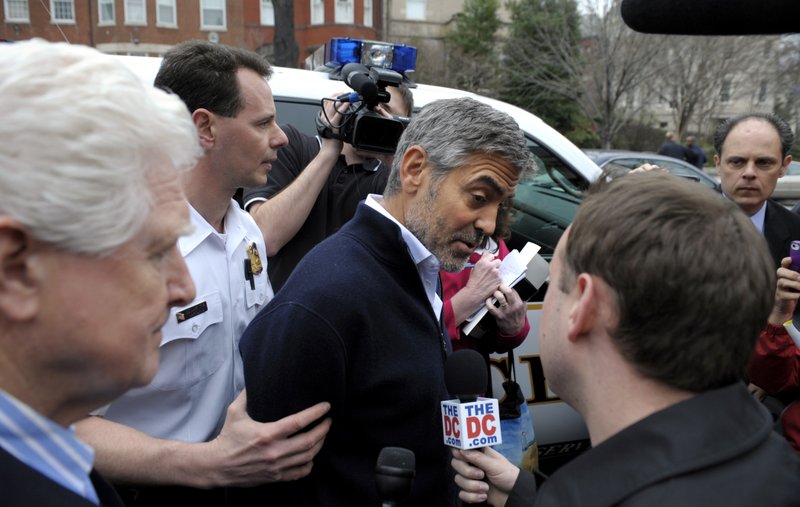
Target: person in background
[467,290]
[686,431]
[359,322]
[775,365]
[187,436]
[752,152]
[315,186]
[695,153]
[673,148]
[86,281]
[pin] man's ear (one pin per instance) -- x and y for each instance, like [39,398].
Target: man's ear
[205,123]
[414,170]
[19,283]
[584,309]
[785,165]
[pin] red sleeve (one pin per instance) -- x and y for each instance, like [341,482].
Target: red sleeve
[775,365]
[452,283]
[505,343]
[453,331]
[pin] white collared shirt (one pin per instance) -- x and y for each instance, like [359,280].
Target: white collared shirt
[200,370]
[427,264]
[758,218]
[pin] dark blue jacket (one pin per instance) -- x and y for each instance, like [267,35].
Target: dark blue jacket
[354,327]
[22,486]
[674,150]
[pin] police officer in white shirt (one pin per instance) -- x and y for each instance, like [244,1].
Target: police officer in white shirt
[188,432]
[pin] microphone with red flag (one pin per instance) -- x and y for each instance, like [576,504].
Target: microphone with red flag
[469,421]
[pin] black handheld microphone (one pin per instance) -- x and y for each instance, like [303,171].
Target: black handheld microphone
[465,375]
[470,421]
[357,77]
[712,17]
[394,474]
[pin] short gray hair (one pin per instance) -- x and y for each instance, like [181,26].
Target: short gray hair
[79,133]
[452,130]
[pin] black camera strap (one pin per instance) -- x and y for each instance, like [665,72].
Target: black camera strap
[323,129]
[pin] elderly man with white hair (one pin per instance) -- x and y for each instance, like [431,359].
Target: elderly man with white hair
[86,281]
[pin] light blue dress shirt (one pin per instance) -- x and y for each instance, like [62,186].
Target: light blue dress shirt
[47,447]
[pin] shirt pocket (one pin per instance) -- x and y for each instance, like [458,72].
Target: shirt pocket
[262,292]
[193,349]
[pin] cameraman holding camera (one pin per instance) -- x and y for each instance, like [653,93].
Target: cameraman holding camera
[316,184]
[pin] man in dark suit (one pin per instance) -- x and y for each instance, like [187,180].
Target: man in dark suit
[91,212]
[752,153]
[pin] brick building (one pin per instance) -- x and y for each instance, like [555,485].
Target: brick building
[150,27]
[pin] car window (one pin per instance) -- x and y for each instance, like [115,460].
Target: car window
[678,169]
[675,168]
[628,163]
[553,172]
[794,169]
[545,203]
[299,113]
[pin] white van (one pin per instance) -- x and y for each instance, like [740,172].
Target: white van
[545,205]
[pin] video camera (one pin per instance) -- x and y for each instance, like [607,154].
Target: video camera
[361,126]
[367,67]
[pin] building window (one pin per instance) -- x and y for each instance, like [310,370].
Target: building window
[725,91]
[135,12]
[344,12]
[317,12]
[62,11]
[367,12]
[17,11]
[762,92]
[630,98]
[212,14]
[106,12]
[165,13]
[415,9]
[267,13]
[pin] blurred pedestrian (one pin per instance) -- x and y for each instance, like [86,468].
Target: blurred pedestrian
[695,153]
[673,148]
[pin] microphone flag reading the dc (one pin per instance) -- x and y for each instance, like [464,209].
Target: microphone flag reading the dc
[357,77]
[470,421]
[394,474]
